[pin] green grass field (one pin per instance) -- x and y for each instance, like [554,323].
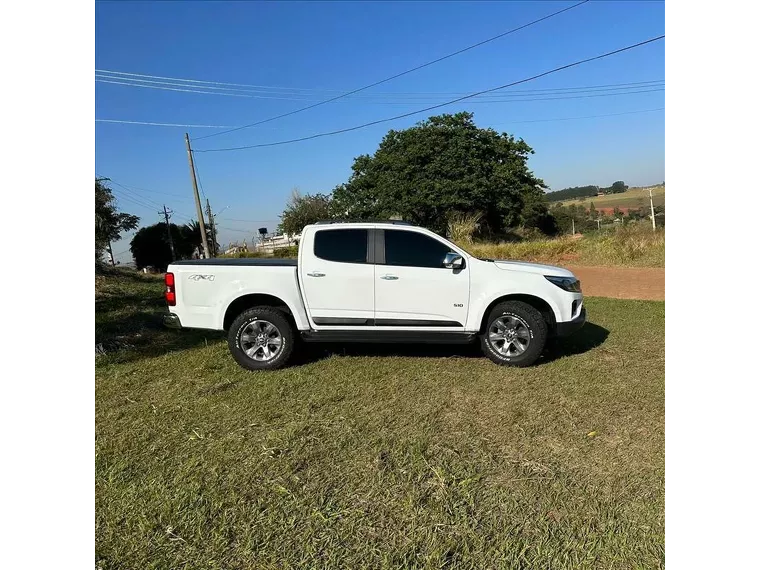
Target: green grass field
[376,457]
[633,198]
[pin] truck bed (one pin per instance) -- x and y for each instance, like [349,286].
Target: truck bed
[242,261]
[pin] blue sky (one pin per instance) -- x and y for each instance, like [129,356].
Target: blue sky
[312,50]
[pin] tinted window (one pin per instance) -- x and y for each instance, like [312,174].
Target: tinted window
[413,249]
[347,246]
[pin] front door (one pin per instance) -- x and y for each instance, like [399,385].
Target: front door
[412,286]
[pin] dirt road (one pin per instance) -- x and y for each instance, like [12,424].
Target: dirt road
[622,282]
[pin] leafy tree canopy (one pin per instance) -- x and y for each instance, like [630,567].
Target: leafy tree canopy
[150,245]
[618,187]
[301,211]
[109,222]
[441,166]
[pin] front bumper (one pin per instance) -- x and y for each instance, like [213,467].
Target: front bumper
[569,327]
[172,321]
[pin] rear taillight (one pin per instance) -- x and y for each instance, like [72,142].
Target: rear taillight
[171,295]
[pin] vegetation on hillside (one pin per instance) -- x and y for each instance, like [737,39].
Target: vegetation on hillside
[634,245]
[585,191]
[631,198]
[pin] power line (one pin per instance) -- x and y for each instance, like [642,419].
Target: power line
[208,90]
[513,30]
[563,94]
[492,101]
[134,201]
[133,196]
[577,118]
[304,90]
[563,98]
[177,79]
[168,88]
[136,195]
[532,78]
[136,188]
[142,201]
[305,96]
[162,124]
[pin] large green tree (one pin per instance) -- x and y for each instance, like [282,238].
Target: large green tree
[618,187]
[109,222]
[150,245]
[301,211]
[441,166]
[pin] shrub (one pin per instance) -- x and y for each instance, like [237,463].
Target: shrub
[462,227]
[632,244]
[286,252]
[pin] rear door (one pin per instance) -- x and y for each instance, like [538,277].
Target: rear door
[412,286]
[338,282]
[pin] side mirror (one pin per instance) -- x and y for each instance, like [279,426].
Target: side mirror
[453,261]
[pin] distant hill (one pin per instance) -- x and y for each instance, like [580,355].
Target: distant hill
[585,191]
[631,198]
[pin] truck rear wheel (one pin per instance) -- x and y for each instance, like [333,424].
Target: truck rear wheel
[261,338]
[515,334]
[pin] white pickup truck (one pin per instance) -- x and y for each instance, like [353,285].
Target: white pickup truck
[374,282]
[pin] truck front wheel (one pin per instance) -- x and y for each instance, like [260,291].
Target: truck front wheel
[515,334]
[261,338]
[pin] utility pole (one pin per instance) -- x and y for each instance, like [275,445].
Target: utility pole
[213,228]
[198,208]
[651,209]
[169,230]
[573,226]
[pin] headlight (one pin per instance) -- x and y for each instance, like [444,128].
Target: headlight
[567,283]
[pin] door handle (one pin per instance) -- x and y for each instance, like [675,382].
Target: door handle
[389,277]
[315,274]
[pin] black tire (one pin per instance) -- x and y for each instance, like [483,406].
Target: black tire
[536,329]
[264,314]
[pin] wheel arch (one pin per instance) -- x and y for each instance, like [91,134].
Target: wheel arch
[249,300]
[548,312]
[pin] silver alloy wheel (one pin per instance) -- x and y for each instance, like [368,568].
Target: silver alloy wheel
[509,335]
[261,340]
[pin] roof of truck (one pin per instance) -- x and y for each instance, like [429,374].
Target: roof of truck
[373,222]
[238,261]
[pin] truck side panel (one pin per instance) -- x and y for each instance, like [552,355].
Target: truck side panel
[205,291]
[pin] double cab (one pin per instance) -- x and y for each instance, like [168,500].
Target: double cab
[374,282]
